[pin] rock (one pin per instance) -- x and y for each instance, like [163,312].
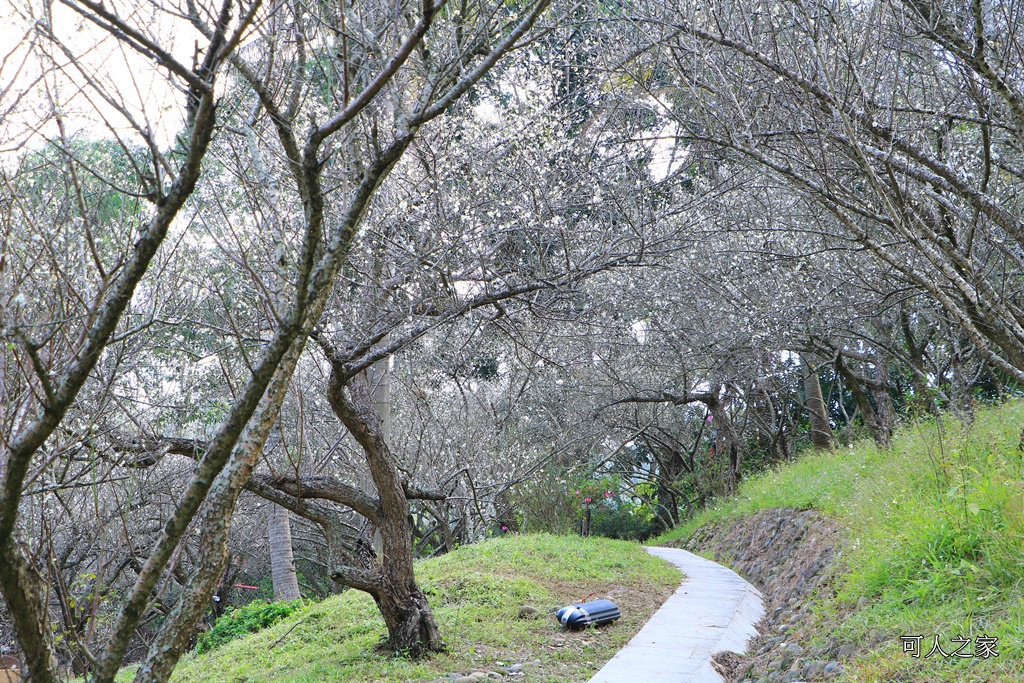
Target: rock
[514,669]
[833,669]
[479,675]
[816,668]
[494,676]
[847,651]
[528,612]
[862,601]
[615,592]
[466,679]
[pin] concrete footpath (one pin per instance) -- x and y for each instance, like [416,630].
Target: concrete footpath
[713,610]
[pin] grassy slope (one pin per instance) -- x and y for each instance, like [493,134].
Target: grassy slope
[936,542]
[476,593]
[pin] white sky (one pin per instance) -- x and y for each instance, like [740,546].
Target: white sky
[124,75]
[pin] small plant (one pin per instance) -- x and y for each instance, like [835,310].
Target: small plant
[244,620]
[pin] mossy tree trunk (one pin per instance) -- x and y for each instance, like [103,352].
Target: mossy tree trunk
[410,622]
[880,431]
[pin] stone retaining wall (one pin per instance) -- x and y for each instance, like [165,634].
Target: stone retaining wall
[790,555]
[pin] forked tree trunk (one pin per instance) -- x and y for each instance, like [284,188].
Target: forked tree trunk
[215,524]
[411,626]
[26,593]
[860,395]
[733,442]
[670,468]
[915,359]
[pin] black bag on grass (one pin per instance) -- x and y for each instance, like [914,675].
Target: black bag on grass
[587,614]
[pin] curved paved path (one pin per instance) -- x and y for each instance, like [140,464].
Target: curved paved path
[714,609]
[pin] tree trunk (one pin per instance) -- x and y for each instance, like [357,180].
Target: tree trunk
[223,592]
[667,508]
[26,602]
[821,431]
[505,512]
[733,443]
[409,620]
[884,409]
[282,559]
[668,467]
[867,411]
[407,615]
[378,376]
[915,359]
[215,524]
[444,525]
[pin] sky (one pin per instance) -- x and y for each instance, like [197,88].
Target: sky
[38,79]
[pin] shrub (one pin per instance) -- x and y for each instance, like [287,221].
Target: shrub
[624,520]
[244,620]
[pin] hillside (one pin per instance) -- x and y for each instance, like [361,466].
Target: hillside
[858,547]
[476,593]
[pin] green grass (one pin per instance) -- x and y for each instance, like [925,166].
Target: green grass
[476,593]
[935,541]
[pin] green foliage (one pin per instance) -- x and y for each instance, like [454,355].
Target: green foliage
[475,593]
[936,537]
[626,520]
[547,503]
[567,502]
[614,514]
[244,620]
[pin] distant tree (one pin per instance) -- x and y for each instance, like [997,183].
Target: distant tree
[902,121]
